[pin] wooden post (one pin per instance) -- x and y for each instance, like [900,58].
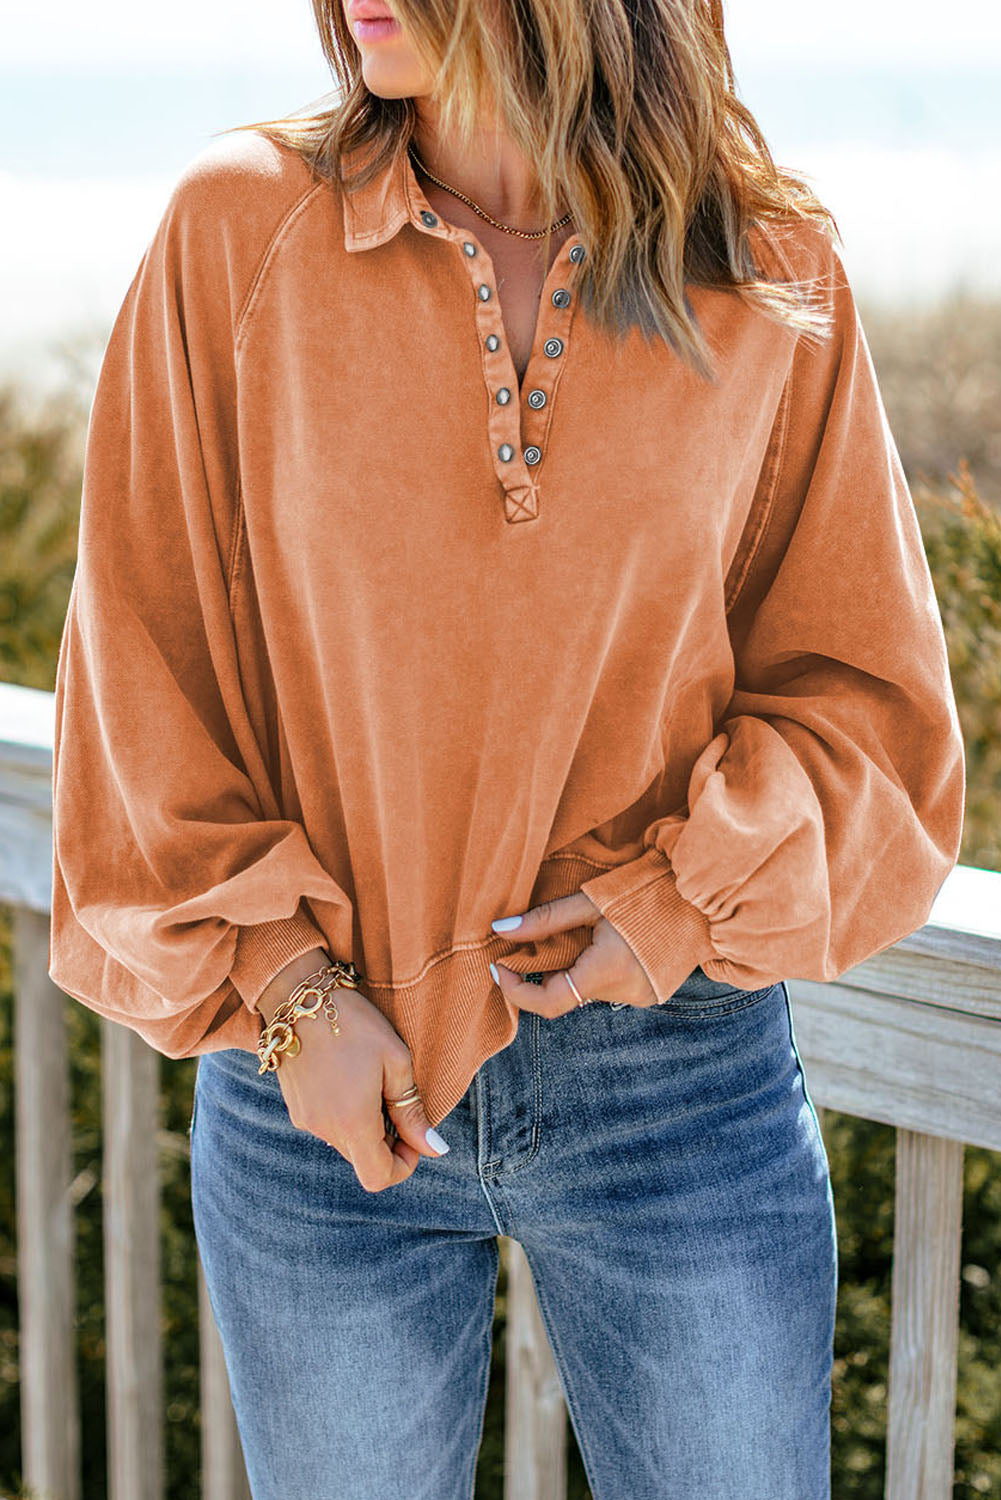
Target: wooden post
[130,1078]
[224,1476]
[50,1422]
[925,1317]
[535,1415]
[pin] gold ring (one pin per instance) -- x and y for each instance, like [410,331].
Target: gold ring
[580,997]
[408,1097]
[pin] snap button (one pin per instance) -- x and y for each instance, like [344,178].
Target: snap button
[493,342]
[561,297]
[577,253]
[553,347]
[505,451]
[469,247]
[533,454]
[503,395]
[483,292]
[536,398]
[429,218]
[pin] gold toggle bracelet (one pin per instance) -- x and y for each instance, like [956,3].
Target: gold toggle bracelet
[310,996]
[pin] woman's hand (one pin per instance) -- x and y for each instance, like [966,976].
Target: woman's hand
[607,969]
[335,1084]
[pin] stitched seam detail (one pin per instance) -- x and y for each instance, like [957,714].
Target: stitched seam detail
[384,230]
[252,298]
[470,945]
[523,510]
[775,452]
[236,547]
[368,234]
[625,898]
[707,1008]
[580,859]
[774,458]
[235,565]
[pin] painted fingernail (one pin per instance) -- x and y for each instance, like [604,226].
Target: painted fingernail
[435,1141]
[504,924]
[493,970]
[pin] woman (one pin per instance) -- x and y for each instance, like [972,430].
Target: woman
[502,652]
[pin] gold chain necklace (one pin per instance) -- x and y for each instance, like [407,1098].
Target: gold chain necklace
[525,234]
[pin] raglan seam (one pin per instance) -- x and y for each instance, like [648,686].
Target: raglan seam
[774,459]
[776,450]
[248,302]
[252,299]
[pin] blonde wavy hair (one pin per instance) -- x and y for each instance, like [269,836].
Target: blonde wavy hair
[627,110]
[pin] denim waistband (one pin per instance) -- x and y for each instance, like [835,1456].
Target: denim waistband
[698,986]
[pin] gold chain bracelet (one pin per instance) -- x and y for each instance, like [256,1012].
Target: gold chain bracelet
[310,996]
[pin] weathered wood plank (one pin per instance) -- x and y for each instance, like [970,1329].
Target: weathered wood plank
[130,1079]
[50,1424]
[925,1317]
[925,968]
[535,1425]
[908,1064]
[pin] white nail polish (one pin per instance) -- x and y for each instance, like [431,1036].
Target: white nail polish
[505,924]
[435,1141]
[493,971]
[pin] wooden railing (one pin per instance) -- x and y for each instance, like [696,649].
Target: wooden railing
[911,1038]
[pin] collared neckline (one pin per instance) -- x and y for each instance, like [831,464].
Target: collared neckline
[519,412]
[375,212]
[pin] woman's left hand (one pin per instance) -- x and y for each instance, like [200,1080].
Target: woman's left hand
[607,969]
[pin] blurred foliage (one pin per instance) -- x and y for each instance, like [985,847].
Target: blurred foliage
[962,535]
[41,465]
[940,373]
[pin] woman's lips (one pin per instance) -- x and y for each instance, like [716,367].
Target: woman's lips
[375,30]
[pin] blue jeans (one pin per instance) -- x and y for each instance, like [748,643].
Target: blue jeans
[663,1169]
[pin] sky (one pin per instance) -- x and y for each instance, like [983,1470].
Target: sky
[102,33]
[891,110]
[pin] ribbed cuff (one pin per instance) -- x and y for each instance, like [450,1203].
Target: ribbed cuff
[263,950]
[668,934]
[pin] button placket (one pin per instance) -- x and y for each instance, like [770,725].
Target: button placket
[538,404]
[540,394]
[517,436]
[504,414]
[503,417]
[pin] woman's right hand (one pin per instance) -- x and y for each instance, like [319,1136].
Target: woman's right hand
[335,1084]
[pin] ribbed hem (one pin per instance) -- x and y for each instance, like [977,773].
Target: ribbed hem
[453,1017]
[263,950]
[668,935]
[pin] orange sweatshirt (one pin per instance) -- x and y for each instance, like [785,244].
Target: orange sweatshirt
[369,644]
